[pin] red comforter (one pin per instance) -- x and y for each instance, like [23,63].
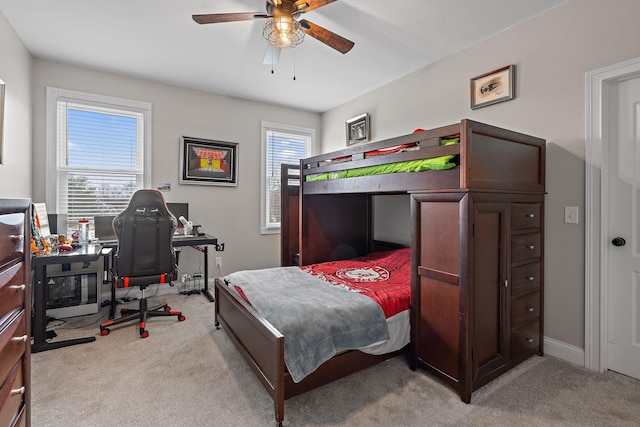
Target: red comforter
[383,276]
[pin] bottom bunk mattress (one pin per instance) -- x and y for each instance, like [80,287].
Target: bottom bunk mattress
[322,309]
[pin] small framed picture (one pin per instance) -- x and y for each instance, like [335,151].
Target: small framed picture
[493,87]
[358,129]
[208,162]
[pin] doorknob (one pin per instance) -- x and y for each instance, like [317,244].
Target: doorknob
[618,241]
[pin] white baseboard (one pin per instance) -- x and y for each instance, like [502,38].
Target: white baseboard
[564,351]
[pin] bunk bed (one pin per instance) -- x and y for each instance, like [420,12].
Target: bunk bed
[476,252]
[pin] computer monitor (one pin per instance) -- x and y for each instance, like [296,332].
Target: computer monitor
[104,228]
[178,210]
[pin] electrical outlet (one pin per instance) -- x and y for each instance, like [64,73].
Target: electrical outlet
[218,261]
[571,214]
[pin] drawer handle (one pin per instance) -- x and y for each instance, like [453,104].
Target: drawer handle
[530,309]
[529,340]
[530,215]
[531,278]
[15,391]
[22,338]
[531,247]
[18,287]
[16,238]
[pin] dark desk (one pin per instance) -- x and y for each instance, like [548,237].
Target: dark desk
[199,243]
[84,254]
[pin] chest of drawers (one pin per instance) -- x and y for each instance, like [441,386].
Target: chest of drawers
[15,317]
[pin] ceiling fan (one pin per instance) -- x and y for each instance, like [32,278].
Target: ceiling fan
[283,29]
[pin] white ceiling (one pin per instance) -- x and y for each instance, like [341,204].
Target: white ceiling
[158,40]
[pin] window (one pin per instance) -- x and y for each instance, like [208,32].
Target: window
[98,153]
[281,144]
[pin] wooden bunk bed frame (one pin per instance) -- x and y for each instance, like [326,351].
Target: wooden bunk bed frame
[332,220]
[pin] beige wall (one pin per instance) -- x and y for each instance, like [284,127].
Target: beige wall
[552,53]
[229,213]
[15,71]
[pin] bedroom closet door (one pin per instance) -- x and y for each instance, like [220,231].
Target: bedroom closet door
[623,322]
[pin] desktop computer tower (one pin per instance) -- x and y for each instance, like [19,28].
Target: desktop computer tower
[73,293]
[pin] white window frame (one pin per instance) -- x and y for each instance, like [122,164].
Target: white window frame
[309,151]
[54,95]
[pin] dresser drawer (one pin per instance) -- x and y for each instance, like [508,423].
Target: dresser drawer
[525,339]
[12,290]
[525,246]
[22,419]
[525,309]
[525,278]
[11,237]
[525,215]
[12,397]
[13,344]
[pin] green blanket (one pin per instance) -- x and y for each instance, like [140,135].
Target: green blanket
[419,165]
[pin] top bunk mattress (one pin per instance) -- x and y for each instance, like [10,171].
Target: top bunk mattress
[415,165]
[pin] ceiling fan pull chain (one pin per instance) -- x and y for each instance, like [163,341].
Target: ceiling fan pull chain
[294,65]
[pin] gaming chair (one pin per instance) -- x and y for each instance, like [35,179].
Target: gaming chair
[144,255]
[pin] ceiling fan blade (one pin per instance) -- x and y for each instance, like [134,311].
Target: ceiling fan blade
[214,18]
[313,4]
[327,37]
[272,55]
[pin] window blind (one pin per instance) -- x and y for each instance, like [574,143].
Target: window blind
[283,146]
[99,159]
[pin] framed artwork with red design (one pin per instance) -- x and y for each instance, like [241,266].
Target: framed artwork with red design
[208,162]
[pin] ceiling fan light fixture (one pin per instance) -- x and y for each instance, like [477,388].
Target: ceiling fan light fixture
[283,31]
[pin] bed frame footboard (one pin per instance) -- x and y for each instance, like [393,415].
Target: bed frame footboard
[262,346]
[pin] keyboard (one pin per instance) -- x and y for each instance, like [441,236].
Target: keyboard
[182,236]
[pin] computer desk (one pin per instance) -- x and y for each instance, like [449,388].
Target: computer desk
[84,254]
[200,243]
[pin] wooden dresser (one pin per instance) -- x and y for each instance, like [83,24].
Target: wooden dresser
[479,313]
[15,317]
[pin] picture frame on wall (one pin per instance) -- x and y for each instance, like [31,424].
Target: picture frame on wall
[357,129]
[208,162]
[493,87]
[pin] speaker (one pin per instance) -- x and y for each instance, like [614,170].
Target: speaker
[58,223]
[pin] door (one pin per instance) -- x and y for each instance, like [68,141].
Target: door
[623,207]
[490,251]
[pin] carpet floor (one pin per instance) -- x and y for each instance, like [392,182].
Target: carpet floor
[189,374]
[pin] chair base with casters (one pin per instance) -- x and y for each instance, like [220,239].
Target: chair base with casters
[142,314]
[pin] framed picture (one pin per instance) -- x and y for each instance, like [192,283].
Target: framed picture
[208,162]
[358,129]
[493,87]
[1,117]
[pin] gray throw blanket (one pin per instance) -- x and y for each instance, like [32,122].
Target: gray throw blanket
[316,318]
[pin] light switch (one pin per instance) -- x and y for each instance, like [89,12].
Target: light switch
[571,214]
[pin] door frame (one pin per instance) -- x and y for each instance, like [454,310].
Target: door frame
[598,118]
